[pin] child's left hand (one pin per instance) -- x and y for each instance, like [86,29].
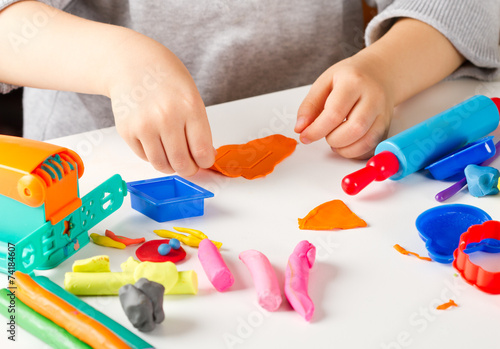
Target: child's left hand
[351,105]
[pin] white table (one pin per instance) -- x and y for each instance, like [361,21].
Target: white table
[366,294]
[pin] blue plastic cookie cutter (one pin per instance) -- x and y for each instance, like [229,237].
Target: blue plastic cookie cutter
[168,198]
[440,227]
[473,153]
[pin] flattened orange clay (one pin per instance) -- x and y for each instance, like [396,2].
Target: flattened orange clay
[450,303]
[254,159]
[402,250]
[331,215]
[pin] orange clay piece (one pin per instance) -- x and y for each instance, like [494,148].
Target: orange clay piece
[402,250]
[450,303]
[331,215]
[123,239]
[254,159]
[65,315]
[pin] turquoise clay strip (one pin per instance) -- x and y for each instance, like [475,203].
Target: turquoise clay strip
[130,338]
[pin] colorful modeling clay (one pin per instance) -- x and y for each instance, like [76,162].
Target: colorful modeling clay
[174,243]
[444,306]
[143,304]
[254,159]
[138,308]
[416,147]
[155,292]
[297,278]
[402,250]
[193,239]
[331,215]
[164,249]
[65,315]
[482,180]
[96,264]
[217,271]
[102,284]
[148,251]
[474,274]
[130,338]
[106,241]
[124,240]
[38,325]
[264,279]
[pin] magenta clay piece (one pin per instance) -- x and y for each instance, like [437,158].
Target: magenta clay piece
[297,278]
[217,271]
[264,279]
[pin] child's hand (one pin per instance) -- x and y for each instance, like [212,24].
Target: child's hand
[351,105]
[160,114]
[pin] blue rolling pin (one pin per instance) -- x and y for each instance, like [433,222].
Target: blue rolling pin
[426,142]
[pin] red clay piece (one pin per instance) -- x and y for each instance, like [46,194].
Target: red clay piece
[148,252]
[123,239]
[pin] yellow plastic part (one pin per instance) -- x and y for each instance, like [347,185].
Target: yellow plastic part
[96,264]
[105,241]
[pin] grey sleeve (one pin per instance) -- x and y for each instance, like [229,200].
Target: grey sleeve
[473,27]
[60,4]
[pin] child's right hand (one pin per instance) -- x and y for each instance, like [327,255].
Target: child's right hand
[158,110]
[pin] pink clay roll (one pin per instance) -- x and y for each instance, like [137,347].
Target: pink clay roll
[297,278]
[216,269]
[264,279]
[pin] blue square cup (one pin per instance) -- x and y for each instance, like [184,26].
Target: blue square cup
[168,198]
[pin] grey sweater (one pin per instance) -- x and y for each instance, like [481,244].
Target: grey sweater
[237,49]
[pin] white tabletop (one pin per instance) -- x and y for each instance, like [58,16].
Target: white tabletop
[366,294]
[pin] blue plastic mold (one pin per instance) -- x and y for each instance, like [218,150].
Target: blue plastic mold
[440,227]
[168,198]
[473,153]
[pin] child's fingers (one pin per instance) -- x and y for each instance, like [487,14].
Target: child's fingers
[177,151]
[358,123]
[314,102]
[136,147]
[155,152]
[337,106]
[199,139]
[364,147]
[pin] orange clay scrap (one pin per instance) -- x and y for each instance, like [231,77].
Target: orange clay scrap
[402,250]
[444,306]
[254,159]
[331,215]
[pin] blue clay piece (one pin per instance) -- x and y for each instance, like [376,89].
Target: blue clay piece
[482,180]
[174,243]
[164,249]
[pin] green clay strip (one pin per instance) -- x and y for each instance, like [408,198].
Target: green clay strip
[38,325]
